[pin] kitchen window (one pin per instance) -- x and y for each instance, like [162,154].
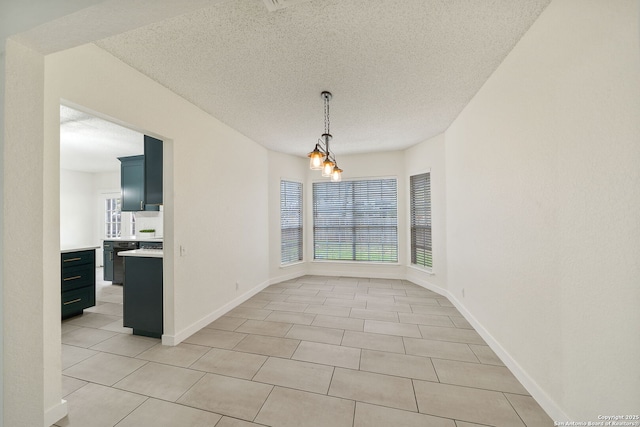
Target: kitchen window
[420,194]
[290,222]
[356,220]
[114,216]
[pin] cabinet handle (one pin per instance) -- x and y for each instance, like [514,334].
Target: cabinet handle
[110,256]
[141,207]
[72,278]
[72,259]
[71,302]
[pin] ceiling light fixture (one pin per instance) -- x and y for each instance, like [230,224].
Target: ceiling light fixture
[328,166]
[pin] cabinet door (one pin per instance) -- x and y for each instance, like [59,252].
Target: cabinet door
[132,183]
[152,170]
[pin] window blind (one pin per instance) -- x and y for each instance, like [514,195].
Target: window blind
[356,220]
[420,189]
[290,222]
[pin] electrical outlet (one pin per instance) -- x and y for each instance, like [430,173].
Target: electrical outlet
[183,251]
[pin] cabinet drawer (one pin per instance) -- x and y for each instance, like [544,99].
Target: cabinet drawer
[77,277]
[73,302]
[71,259]
[107,245]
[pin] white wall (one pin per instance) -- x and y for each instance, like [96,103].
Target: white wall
[543,201]
[220,214]
[78,216]
[429,156]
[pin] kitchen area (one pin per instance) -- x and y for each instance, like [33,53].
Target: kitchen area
[111,227]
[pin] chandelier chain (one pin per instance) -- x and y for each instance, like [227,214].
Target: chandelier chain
[326,115]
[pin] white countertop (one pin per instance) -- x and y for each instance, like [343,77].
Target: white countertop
[133,239]
[68,249]
[148,253]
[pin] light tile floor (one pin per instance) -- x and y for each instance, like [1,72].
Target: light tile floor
[314,351]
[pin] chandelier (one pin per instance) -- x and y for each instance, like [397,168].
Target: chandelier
[321,158]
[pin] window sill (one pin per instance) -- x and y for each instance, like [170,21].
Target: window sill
[425,270]
[291,264]
[328,261]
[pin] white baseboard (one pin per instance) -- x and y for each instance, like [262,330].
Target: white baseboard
[185,333]
[285,277]
[55,413]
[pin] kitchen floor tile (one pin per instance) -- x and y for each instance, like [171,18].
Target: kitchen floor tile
[400,365]
[288,317]
[117,326]
[92,320]
[182,355]
[487,377]
[387,292]
[287,306]
[69,385]
[160,381]
[392,328]
[215,338]
[301,292]
[529,410]
[461,322]
[426,319]
[227,396]
[465,404]
[343,294]
[417,300]
[373,388]
[329,311]
[339,302]
[387,316]
[269,296]
[306,299]
[254,303]
[376,299]
[293,408]
[486,355]
[468,336]
[104,368]
[328,354]
[437,310]
[226,323]
[396,307]
[108,308]
[439,349]
[315,333]
[86,337]
[444,302]
[158,413]
[268,346]
[68,327]
[295,374]
[98,406]
[339,322]
[72,355]
[249,313]
[234,422]
[230,363]
[126,345]
[373,341]
[262,327]
[378,416]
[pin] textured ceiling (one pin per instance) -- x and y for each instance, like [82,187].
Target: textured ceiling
[400,70]
[90,144]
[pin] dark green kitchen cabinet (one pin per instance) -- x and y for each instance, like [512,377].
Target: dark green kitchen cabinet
[78,281]
[152,170]
[107,260]
[141,178]
[132,183]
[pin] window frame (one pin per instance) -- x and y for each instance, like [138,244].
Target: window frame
[413,247]
[354,259]
[286,262]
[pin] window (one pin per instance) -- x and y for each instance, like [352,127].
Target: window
[113,218]
[356,220]
[420,188]
[290,222]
